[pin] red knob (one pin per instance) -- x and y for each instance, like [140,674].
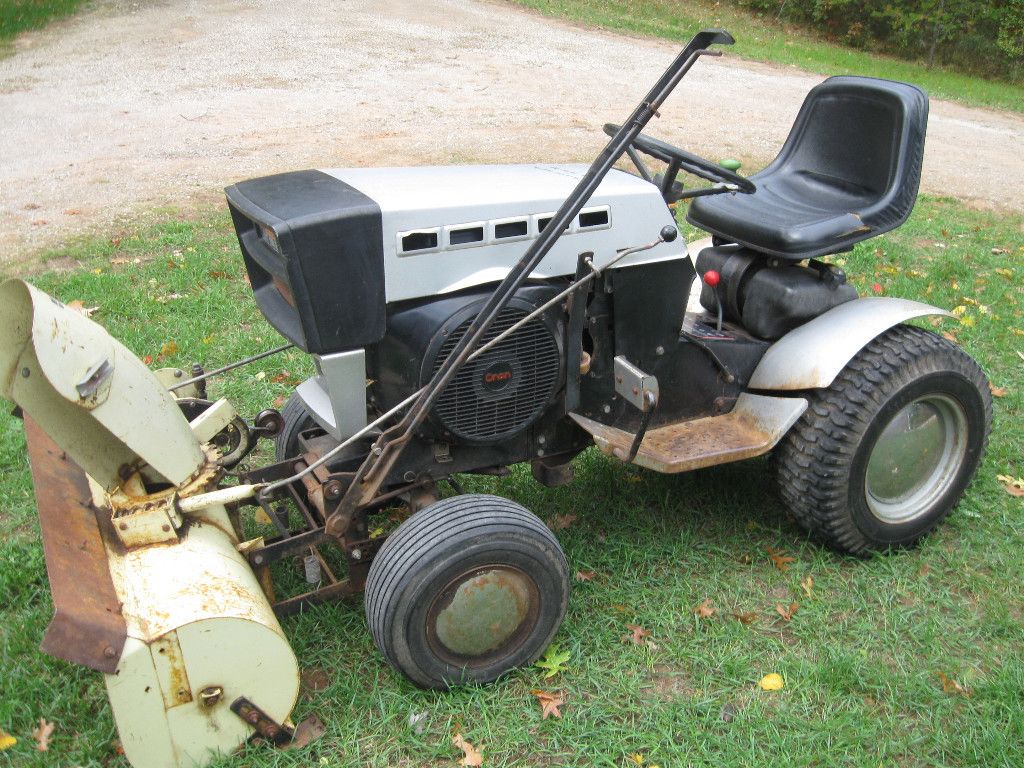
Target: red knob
[712,278]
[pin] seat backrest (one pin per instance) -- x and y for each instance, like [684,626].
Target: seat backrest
[860,138]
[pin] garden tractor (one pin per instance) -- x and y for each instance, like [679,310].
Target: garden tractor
[462,320]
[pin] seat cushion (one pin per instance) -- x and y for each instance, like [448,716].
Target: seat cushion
[781,220]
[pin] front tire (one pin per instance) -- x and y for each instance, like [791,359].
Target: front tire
[882,455]
[465,590]
[297,419]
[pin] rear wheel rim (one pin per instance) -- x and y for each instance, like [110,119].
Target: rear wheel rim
[483,615]
[916,459]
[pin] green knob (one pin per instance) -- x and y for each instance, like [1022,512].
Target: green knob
[730,164]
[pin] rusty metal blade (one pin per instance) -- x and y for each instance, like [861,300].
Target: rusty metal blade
[87,626]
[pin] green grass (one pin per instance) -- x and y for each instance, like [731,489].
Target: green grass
[18,16]
[761,39]
[861,658]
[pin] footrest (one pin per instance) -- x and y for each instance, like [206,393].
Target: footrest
[752,428]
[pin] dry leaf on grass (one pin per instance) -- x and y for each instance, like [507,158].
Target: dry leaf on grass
[549,703]
[807,585]
[472,755]
[639,636]
[705,610]
[315,679]
[787,613]
[998,391]
[79,306]
[585,575]
[745,618]
[1012,485]
[561,522]
[780,559]
[949,685]
[169,348]
[42,735]
[772,682]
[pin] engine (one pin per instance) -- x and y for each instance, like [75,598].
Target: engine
[491,399]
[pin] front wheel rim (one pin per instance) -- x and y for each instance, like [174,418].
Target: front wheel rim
[483,615]
[916,459]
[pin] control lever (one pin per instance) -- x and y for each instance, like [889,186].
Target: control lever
[711,280]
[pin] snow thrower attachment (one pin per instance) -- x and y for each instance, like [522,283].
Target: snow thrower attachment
[464,320]
[148,584]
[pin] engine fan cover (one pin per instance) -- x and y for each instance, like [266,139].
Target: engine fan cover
[506,389]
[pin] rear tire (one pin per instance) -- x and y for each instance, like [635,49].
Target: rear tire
[465,590]
[882,455]
[297,419]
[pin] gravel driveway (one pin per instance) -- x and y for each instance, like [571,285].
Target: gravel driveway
[132,107]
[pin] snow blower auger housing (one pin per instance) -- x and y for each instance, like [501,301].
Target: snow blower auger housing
[462,320]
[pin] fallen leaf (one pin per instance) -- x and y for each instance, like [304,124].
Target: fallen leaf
[998,391]
[772,682]
[787,613]
[6,740]
[949,685]
[1012,485]
[998,251]
[561,522]
[31,207]
[148,359]
[638,635]
[745,618]
[315,679]
[780,559]
[746,559]
[705,610]
[39,223]
[79,306]
[169,348]
[807,585]
[217,274]
[279,401]
[948,336]
[471,755]
[42,735]
[585,575]
[549,703]
[638,758]
[72,212]
[877,288]
[306,732]
[553,661]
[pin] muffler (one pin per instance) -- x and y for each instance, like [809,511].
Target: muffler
[148,584]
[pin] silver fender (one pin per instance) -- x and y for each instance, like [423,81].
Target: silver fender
[811,356]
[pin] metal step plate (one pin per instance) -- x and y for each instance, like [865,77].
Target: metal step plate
[752,428]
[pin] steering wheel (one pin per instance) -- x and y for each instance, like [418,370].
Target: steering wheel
[681,160]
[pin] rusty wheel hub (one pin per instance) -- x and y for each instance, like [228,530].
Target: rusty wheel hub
[483,615]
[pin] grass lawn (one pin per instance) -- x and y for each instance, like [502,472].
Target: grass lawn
[862,658]
[20,15]
[761,40]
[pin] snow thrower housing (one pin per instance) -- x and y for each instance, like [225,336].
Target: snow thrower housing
[463,320]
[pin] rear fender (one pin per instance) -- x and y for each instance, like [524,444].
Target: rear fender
[811,356]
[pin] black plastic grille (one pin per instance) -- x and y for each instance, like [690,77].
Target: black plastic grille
[468,410]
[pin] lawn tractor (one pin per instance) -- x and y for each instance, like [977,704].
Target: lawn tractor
[462,320]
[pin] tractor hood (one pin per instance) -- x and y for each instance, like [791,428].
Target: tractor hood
[328,250]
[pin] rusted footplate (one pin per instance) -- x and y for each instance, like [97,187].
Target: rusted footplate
[752,428]
[87,626]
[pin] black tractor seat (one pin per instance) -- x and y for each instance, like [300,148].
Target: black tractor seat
[849,170]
